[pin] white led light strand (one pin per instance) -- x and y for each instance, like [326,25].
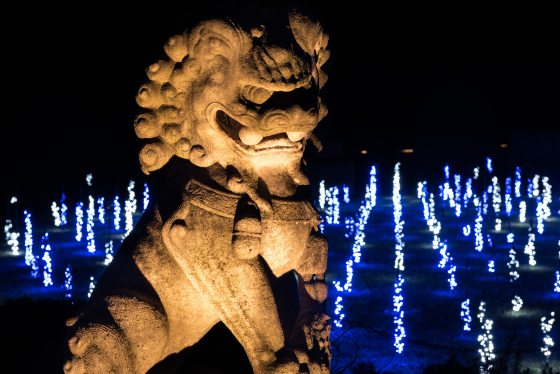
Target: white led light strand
[536,187]
[101,210]
[28,242]
[345,194]
[145,197]
[491,266]
[400,332]
[485,340]
[398,298]
[547,197]
[79,221]
[129,209]
[12,237]
[489,165]
[466,315]
[546,327]
[91,286]
[507,197]
[116,213]
[90,235]
[322,195]
[68,283]
[56,214]
[513,263]
[108,252]
[468,192]
[530,249]
[478,237]
[522,211]
[540,216]
[63,210]
[47,261]
[369,202]
[517,303]
[332,210]
[517,185]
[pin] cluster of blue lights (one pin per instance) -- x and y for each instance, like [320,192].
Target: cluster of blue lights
[84,225]
[482,204]
[364,211]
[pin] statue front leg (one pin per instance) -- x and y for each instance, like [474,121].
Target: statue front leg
[127,336]
[236,284]
[312,328]
[98,349]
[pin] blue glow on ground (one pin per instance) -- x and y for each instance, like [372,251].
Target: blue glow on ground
[360,295]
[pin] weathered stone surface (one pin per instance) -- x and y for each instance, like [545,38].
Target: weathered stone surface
[238,109]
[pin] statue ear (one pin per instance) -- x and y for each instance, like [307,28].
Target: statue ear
[310,36]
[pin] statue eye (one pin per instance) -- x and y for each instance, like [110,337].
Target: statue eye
[256,95]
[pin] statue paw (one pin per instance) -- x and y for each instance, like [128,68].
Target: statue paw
[97,349]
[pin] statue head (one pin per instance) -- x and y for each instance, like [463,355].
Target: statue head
[243,100]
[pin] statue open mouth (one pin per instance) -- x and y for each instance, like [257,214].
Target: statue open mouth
[252,141]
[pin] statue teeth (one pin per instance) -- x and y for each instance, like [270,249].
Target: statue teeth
[295,136]
[249,136]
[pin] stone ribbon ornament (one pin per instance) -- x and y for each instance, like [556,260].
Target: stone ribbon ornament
[226,120]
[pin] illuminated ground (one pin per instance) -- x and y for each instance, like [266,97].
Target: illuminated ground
[434,329]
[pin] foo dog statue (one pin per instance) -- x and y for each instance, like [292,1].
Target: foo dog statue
[236,105]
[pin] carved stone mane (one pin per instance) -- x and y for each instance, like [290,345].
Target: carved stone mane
[239,104]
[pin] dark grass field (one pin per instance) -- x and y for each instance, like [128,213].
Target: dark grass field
[32,316]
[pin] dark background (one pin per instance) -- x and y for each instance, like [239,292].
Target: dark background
[452,83]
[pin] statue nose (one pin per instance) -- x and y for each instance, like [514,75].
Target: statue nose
[294,119]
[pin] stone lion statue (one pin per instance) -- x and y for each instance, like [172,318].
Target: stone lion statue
[227,118]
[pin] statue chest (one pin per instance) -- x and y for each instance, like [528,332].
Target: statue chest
[229,225]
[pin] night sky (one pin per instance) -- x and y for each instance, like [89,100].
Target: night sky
[446,82]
